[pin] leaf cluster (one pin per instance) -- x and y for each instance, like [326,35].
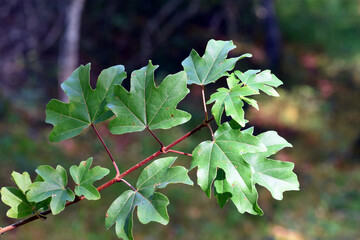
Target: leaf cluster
[230,164]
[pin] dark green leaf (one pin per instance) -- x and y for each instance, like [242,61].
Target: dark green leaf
[151,205]
[86,106]
[84,178]
[213,65]
[147,105]
[54,186]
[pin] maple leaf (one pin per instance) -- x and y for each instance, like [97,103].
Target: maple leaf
[86,106]
[151,206]
[224,152]
[53,185]
[147,105]
[213,65]
[84,178]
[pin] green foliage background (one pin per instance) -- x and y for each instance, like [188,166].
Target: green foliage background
[315,53]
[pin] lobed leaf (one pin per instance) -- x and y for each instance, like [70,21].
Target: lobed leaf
[224,153]
[213,65]
[147,105]
[276,176]
[84,178]
[151,206]
[86,106]
[264,81]
[17,199]
[231,100]
[54,186]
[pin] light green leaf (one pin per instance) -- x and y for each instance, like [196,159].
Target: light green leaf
[213,65]
[54,186]
[84,178]
[264,81]
[276,176]
[86,106]
[147,105]
[225,153]
[230,100]
[16,198]
[151,205]
[23,181]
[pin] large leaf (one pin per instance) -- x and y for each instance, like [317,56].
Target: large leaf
[231,100]
[224,152]
[84,178]
[54,186]
[16,198]
[147,105]
[213,65]
[151,205]
[86,106]
[276,176]
[264,81]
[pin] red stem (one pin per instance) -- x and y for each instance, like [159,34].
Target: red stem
[157,139]
[183,153]
[115,179]
[107,150]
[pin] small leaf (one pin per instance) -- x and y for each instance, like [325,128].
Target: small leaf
[225,153]
[86,106]
[16,199]
[151,205]
[147,105]
[276,176]
[84,178]
[54,186]
[264,81]
[230,100]
[23,181]
[213,65]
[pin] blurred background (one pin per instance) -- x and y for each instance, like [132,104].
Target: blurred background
[311,45]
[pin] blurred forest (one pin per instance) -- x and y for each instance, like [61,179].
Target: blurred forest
[311,45]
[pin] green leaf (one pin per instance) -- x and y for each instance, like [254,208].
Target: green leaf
[213,65]
[16,198]
[54,186]
[84,178]
[230,100]
[86,106]
[151,205]
[147,105]
[276,176]
[264,81]
[224,152]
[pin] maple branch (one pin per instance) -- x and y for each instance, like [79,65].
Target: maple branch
[115,179]
[205,110]
[183,153]
[157,139]
[107,149]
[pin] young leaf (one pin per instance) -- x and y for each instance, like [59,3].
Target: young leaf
[230,100]
[84,178]
[16,198]
[54,186]
[224,152]
[276,176]
[86,106]
[264,81]
[213,65]
[147,105]
[151,205]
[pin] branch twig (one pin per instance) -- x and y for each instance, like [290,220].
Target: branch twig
[114,180]
[107,150]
